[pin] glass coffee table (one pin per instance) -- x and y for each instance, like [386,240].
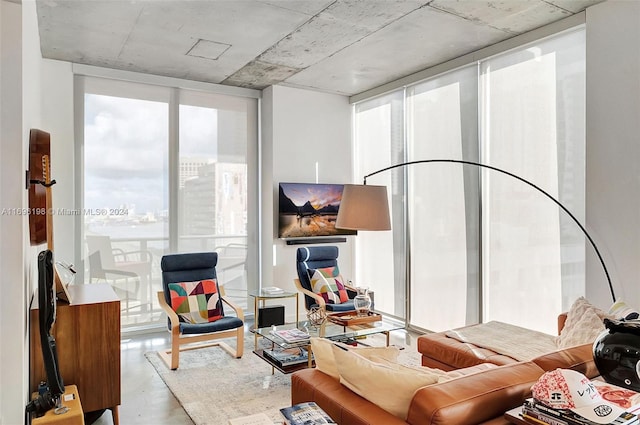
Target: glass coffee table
[329,330]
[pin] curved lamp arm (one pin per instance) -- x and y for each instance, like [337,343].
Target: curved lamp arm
[477,164]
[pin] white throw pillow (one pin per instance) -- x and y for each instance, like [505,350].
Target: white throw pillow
[620,310]
[390,388]
[439,373]
[583,324]
[326,362]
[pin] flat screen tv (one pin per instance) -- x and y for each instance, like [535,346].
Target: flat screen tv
[309,209]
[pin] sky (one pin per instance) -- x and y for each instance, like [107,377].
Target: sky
[126,150]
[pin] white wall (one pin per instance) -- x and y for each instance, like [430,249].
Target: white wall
[56,103]
[48,106]
[613,149]
[299,129]
[14,300]
[34,93]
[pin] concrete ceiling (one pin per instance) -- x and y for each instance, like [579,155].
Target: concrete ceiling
[336,46]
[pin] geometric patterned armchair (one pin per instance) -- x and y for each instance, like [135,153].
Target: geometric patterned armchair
[322,259]
[193,301]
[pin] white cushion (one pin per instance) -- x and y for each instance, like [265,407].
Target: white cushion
[620,310]
[326,362]
[441,374]
[390,388]
[583,324]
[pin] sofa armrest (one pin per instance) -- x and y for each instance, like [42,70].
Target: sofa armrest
[475,398]
[562,319]
[578,358]
[442,352]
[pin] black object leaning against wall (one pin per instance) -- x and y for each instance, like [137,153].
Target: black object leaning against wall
[47,317]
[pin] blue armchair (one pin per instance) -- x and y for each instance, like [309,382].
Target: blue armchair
[189,276]
[308,260]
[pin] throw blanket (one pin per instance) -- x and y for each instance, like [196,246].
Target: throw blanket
[519,343]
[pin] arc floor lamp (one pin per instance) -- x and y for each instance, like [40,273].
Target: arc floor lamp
[366,207]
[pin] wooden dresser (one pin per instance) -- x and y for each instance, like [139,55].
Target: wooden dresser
[87,334]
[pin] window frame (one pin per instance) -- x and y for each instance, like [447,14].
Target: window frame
[108,82]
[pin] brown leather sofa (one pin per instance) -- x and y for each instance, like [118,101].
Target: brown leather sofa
[443,352]
[481,397]
[472,399]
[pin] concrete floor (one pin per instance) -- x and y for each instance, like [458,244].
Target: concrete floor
[145,397]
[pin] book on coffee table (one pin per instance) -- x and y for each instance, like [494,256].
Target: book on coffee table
[308,413]
[291,335]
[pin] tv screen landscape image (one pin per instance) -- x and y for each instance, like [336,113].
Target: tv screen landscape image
[309,209]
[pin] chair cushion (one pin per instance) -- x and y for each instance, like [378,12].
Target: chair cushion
[313,257]
[197,302]
[224,324]
[328,283]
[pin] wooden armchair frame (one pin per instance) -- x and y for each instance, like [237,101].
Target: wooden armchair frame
[319,300]
[171,357]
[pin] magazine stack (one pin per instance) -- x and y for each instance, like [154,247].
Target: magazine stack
[540,413]
[291,336]
[567,397]
[288,357]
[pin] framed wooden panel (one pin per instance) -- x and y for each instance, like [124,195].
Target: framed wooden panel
[39,147]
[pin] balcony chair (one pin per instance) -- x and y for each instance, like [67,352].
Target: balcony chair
[126,284]
[129,272]
[308,261]
[187,280]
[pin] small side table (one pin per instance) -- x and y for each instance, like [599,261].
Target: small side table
[259,299]
[74,416]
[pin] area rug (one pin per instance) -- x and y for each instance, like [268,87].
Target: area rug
[214,387]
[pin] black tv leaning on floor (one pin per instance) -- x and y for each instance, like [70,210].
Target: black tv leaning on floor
[47,317]
[309,210]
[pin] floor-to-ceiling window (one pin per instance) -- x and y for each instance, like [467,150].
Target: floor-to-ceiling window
[379,135]
[212,182]
[443,200]
[478,245]
[533,124]
[164,170]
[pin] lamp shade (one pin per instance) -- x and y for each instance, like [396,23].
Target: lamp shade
[364,207]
